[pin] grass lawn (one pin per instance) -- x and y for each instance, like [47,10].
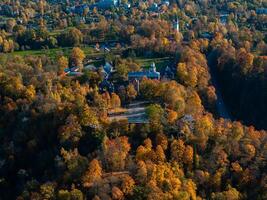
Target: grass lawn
[57,32]
[159,62]
[90,52]
[53,53]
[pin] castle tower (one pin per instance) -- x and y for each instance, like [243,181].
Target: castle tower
[153,67]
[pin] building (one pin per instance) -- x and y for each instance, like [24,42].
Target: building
[167,3]
[224,18]
[79,9]
[261,11]
[72,71]
[151,74]
[154,7]
[104,4]
[168,73]
[106,86]
[206,35]
[108,67]
[90,68]
[135,77]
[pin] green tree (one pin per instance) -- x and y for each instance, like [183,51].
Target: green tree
[62,64]
[73,37]
[155,116]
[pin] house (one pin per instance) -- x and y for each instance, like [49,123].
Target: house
[104,4]
[108,68]
[126,5]
[75,74]
[206,35]
[168,73]
[151,74]
[90,68]
[224,18]
[106,85]
[154,7]
[261,11]
[79,9]
[106,49]
[80,19]
[135,77]
[167,3]
[72,71]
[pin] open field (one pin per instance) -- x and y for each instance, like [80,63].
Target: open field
[91,52]
[159,62]
[53,53]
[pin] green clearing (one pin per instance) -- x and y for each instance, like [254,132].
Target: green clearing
[57,32]
[159,62]
[53,53]
[89,51]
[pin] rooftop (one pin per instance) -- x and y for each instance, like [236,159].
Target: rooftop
[151,73]
[261,10]
[142,74]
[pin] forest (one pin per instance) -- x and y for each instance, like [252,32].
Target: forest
[64,71]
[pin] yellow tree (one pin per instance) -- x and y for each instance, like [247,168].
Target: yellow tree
[141,174]
[245,60]
[172,116]
[162,140]
[187,74]
[155,114]
[177,150]
[41,6]
[237,131]
[116,193]
[188,155]
[127,185]
[6,46]
[115,101]
[30,92]
[62,64]
[182,72]
[203,129]
[160,154]
[230,194]
[173,95]
[88,117]
[93,174]
[77,56]
[131,92]
[193,103]
[190,187]
[115,152]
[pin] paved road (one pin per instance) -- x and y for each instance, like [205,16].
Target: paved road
[134,114]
